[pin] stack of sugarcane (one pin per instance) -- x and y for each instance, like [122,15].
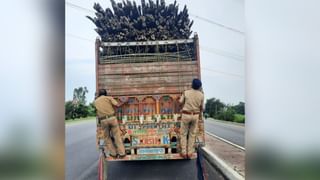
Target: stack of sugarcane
[146,22]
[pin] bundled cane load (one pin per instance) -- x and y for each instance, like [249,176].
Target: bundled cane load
[149,21]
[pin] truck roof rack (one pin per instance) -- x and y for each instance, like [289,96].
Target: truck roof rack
[147,43]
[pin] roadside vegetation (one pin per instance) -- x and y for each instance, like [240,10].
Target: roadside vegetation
[77,109]
[216,109]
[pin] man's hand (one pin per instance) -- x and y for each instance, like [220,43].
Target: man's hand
[123,131]
[201,113]
[120,103]
[201,116]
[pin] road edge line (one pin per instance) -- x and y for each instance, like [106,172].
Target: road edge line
[226,141]
[227,122]
[221,165]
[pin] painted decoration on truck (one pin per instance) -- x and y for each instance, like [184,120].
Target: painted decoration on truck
[150,140]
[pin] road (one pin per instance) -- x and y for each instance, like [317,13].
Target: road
[82,157]
[231,132]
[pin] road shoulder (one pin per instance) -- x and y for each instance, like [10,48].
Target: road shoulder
[233,157]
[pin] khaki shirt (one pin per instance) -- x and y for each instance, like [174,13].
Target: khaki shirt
[104,105]
[192,100]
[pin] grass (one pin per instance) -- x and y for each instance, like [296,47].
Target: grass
[239,118]
[78,120]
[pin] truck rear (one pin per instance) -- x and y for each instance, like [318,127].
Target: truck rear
[149,77]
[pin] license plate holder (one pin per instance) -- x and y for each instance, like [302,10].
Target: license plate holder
[151,151]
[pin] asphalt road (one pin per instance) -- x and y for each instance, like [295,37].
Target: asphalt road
[231,132]
[82,161]
[81,155]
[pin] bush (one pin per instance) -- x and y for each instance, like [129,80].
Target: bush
[73,111]
[82,111]
[69,110]
[227,114]
[239,118]
[92,109]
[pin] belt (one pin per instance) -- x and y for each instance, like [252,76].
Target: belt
[105,117]
[192,113]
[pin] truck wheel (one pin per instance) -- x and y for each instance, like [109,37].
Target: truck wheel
[102,168]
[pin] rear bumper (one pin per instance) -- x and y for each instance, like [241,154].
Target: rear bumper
[149,157]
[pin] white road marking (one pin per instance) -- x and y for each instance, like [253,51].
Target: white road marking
[224,140]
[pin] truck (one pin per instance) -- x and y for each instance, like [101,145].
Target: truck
[148,77]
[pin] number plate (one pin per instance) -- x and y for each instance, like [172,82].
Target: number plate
[151,151]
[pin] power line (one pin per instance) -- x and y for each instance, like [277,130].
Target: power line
[222,53]
[194,15]
[222,72]
[210,50]
[79,37]
[79,7]
[203,68]
[217,24]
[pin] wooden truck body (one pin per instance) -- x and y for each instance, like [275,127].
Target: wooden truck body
[149,77]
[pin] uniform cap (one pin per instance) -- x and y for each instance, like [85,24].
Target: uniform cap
[196,84]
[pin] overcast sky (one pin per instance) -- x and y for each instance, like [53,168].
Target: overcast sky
[222,48]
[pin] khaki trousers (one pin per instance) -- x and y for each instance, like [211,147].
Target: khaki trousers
[188,128]
[111,127]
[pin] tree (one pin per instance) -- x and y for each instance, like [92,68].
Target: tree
[70,110]
[213,107]
[227,114]
[240,108]
[79,95]
[77,108]
[216,109]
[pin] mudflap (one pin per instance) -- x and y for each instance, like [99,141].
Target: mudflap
[102,167]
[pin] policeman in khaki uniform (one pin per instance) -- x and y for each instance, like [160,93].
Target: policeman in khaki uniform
[106,114]
[192,103]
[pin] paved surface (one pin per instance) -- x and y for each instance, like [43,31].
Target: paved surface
[231,132]
[229,154]
[82,157]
